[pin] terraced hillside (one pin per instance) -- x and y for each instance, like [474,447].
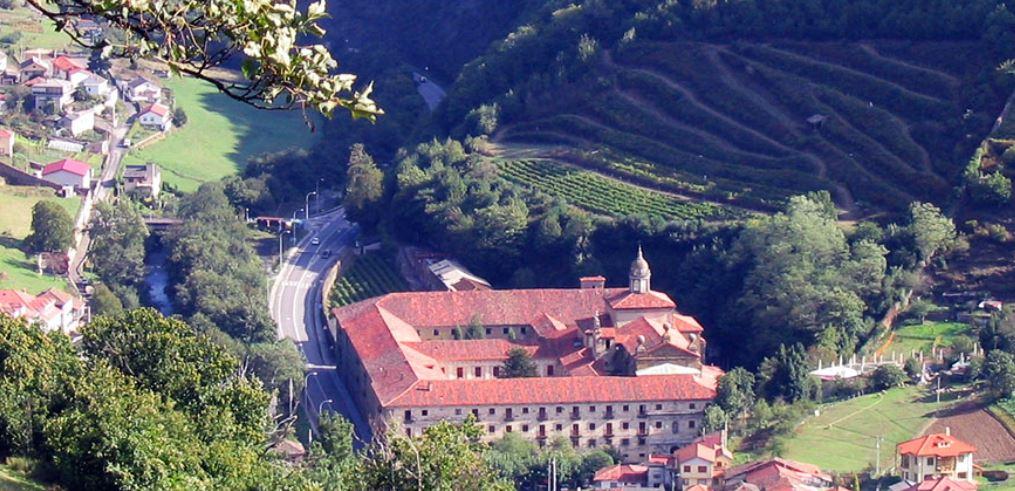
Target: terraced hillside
[877,124]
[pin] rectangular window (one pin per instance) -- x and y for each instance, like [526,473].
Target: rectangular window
[691,423]
[525,428]
[489,331]
[458,411]
[492,411]
[626,408]
[436,332]
[592,443]
[507,428]
[625,425]
[625,442]
[491,429]
[408,415]
[496,371]
[702,469]
[524,331]
[560,409]
[692,405]
[475,412]
[408,432]
[478,372]
[425,412]
[525,410]
[559,427]
[506,331]
[549,370]
[659,407]
[687,468]
[460,372]
[592,427]
[659,424]
[592,409]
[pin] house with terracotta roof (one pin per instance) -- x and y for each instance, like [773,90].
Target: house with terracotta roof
[704,462]
[155,116]
[51,310]
[628,477]
[64,66]
[69,173]
[936,484]
[405,368]
[7,138]
[933,456]
[777,474]
[34,67]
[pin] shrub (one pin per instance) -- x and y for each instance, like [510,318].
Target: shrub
[887,376]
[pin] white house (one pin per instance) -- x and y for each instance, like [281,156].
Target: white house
[79,122]
[156,116]
[3,61]
[35,67]
[142,90]
[52,92]
[51,310]
[77,78]
[934,456]
[68,172]
[64,66]
[95,85]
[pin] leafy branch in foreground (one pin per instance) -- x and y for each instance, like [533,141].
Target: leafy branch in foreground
[194,36]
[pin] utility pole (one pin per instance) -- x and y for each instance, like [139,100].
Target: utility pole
[877,463]
[306,204]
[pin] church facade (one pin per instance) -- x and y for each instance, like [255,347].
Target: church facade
[615,367]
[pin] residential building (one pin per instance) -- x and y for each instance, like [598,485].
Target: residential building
[79,122]
[88,30]
[51,93]
[703,462]
[34,67]
[628,477]
[156,116]
[936,484]
[617,367]
[141,89]
[144,180]
[95,85]
[3,61]
[68,172]
[64,66]
[777,474]
[51,310]
[7,138]
[935,455]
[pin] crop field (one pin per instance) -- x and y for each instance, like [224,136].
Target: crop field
[843,437]
[369,275]
[877,124]
[924,337]
[602,195]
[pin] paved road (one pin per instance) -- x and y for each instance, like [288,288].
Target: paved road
[103,189]
[295,303]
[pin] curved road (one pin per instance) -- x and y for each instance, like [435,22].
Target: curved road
[295,304]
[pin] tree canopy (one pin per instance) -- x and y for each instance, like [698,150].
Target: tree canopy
[52,228]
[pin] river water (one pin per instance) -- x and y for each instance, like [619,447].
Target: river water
[157,278]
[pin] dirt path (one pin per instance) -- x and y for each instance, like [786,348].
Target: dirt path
[873,52]
[970,422]
[806,59]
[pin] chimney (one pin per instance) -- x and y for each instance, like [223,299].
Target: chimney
[592,282]
[948,430]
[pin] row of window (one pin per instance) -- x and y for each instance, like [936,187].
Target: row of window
[506,331]
[575,410]
[477,372]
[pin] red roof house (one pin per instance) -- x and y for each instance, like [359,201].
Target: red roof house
[935,455]
[68,172]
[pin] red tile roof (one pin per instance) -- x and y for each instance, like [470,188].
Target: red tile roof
[554,390]
[66,64]
[935,445]
[943,484]
[156,108]
[4,133]
[628,474]
[67,165]
[627,300]
[779,474]
[469,349]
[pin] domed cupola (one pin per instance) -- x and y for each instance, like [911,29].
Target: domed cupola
[640,274]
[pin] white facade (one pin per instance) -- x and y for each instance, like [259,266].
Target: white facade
[66,178]
[151,119]
[916,469]
[79,123]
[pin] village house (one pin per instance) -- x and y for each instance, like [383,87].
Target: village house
[628,477]
[141,89]
[936,484]
[933,456]
[777,474]
[617,367]
[702,464]
[448,274]
[64,66]
[95,85]
[51,94]
[68,173]
[156,117]
[7,138]
[88,30]
[35,67]
[79,122]
[52,310]
[142,180]
[3,61]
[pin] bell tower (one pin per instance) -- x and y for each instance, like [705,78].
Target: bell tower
[640,275]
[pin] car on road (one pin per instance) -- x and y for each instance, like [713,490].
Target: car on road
[125,143]
[326,253]
[315,241]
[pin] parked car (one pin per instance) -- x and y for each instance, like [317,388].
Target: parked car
[125,143]
[315,241]
[326,253]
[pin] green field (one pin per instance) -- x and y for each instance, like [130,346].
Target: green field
[220,136]
[15,223]
[370,275]
[923,337]
[842,438]
[35,30]
[603,195]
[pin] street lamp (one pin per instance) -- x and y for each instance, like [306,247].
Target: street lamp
[317,194]
[296,235]
[281,233]
[320,407]
[306,204]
